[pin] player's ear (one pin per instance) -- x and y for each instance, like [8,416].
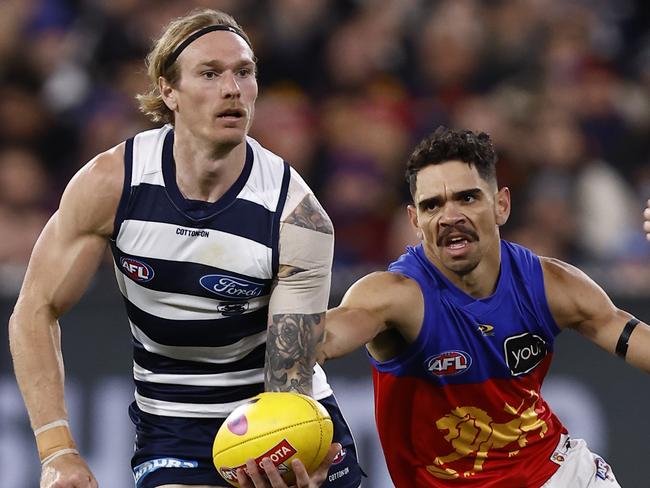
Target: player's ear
[413,219]
[502,205]
[167,93]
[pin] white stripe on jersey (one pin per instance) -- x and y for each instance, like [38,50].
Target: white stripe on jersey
[147,151]
[193,410]
[320,387]
[177,306]
[245,377]
[219,249]
[205,354]
[265,181]
[247,193]
[155,178]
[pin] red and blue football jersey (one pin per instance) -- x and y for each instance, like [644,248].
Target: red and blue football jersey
[461,406]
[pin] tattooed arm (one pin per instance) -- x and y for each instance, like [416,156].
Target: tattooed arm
[301,292]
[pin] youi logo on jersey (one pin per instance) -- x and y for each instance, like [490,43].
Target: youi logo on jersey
[231,288]
[137,270]
[523,352]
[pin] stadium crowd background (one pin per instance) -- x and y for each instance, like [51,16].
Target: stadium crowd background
[346,90]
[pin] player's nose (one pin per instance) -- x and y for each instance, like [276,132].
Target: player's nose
[450,214]
[229,85]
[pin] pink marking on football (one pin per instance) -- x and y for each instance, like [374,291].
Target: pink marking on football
[238,426]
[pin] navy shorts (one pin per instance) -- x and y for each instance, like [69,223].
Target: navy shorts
[172,450]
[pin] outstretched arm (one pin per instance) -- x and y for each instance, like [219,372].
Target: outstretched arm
[300,295]
[74,239]
[578,303]
[377,305]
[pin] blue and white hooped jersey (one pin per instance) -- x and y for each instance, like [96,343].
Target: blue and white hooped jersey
[196,279]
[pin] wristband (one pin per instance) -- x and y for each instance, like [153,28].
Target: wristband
[624,338]
[54,438]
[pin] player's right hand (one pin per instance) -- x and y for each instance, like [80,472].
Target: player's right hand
[68,471]
[271,477]
[646,224]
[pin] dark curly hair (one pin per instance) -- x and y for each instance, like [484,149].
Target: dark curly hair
[449,145]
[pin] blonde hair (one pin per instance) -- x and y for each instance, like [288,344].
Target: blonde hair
[151,102]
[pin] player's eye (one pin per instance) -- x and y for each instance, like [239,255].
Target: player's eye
[430,205]
[245,72]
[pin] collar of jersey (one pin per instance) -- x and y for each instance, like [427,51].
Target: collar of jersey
[188,207]
[468,302]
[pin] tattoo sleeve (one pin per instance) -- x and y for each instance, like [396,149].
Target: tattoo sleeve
[296,322]
[286,271]
[291,351]
[310,215]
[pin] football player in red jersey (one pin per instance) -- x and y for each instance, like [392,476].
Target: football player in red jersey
[460,332]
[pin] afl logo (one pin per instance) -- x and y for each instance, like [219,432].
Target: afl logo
[340,456]
[231,288]
[449,363]
[137,270]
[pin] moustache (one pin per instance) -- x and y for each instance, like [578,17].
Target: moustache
[456,229]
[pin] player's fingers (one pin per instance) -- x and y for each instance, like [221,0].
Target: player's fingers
[302,476]
[273,474]
[243,480]
[331,454]
[320,474]
[255,475]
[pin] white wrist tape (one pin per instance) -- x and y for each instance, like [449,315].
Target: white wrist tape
[58,454]
[51,425]
[54,440]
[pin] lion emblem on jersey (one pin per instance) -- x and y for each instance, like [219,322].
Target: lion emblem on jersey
[473,433]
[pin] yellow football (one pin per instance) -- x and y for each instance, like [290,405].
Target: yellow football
[280,426]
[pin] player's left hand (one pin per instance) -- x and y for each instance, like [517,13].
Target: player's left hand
[646,224]
[271,477]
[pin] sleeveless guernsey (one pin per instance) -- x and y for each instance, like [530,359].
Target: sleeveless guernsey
[461,406]
[196,279]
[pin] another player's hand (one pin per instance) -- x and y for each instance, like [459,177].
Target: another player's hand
[646,224]
[271,477]
[69,471]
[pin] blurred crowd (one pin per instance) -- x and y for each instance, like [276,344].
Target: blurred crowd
[347,88]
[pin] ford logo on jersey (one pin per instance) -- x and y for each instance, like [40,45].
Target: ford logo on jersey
[231,288]
[137,270]
[449,363]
